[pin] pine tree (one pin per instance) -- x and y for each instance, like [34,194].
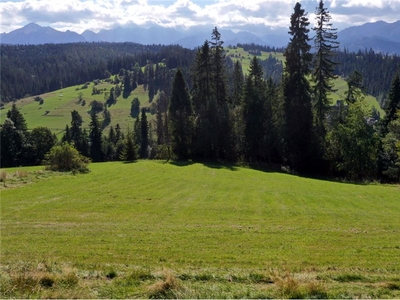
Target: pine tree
[325,44]
[112,136]
[181,117]
[128,152]
[137,132]
[95,136]
[222,124]
[238,81]
[127,85]
[78,136]
[297,94]
[144,134]
[392,104]
[218,70]
[355,89]
[67,135]
[17,118]
[201,91]
[253,110]
[118,133]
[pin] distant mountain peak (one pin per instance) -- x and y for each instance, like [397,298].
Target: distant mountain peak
[380,36]
[31,27]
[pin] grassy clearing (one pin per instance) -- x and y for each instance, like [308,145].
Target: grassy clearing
[245,57]
[55,112]
[155,229]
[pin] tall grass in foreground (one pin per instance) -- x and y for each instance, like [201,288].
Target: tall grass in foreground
[172,230]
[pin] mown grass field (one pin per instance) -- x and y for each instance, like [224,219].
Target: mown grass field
[191,230]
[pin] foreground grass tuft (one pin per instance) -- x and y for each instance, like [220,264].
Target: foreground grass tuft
[168,287]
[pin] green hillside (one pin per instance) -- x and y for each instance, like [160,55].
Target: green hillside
[55,112]
[339,84]
[156,229]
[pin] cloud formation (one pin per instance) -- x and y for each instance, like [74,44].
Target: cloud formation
[79,15]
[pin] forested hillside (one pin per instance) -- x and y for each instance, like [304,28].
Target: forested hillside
[37,69]
[33,70]
[275,114]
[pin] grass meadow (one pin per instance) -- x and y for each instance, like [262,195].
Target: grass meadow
[55,112]
[152,229]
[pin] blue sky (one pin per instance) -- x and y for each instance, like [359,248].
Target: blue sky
[252,15]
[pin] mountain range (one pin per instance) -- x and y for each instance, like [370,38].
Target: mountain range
[380,36]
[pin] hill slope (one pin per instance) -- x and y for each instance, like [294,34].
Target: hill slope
[55,112]
[213,225]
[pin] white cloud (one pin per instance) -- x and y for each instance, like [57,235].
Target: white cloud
[97,14]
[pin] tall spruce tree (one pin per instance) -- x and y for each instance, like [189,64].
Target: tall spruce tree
[95,136]
[77,135]
[17,118]
[128,151]
[222,123]
[181,117]
[392,104]
[253,112]
[218,67]
[238,81]
[325,44]
[144,134]
[201,78]
[297,94]
[202,90]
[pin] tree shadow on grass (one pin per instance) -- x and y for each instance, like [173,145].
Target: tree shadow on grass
[129,161]
[208,164]
[261,167]
[180,163]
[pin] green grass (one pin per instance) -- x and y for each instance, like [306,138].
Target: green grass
[198,231]
[245,57]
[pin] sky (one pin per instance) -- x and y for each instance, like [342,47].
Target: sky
[251,15]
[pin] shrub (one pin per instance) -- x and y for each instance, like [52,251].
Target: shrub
[65,157]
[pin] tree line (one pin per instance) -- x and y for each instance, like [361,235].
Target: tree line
[212,111]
